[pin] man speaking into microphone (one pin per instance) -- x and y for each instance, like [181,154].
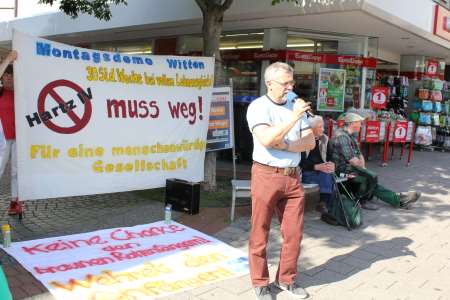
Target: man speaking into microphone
[280,132]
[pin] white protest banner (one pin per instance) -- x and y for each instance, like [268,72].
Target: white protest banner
[139,262]
[92,122]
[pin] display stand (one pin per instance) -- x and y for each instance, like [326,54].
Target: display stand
[431,114]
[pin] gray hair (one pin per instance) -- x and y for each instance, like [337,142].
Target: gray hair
[314,121]
[273,69]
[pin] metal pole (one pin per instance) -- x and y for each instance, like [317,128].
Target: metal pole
[233,148]
[386,144]
[362,96]
[411,145]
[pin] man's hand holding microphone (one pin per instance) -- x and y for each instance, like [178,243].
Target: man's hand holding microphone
[300,106]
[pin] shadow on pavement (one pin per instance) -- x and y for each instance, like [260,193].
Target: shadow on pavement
[349,264]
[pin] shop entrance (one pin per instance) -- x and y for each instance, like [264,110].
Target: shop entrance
[245,68]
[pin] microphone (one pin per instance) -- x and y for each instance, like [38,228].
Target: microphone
[291,96]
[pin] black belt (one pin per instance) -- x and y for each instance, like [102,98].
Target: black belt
[287,171]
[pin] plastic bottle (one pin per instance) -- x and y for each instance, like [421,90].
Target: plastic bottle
[6,231]
[168,214]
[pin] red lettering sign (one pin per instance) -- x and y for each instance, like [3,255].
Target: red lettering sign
[373,131]
[306,56]
[400,131]
[293,55]
[331,102]
[379,97]
[441,22]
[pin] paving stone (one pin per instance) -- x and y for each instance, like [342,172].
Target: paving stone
[19,293]
[202,290]
[339,267]
[180,296]
[218,293]
[371,262]
[237,285]
[364,255]
[31,289]
[356,262]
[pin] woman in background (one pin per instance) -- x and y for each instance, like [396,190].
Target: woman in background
[9,128]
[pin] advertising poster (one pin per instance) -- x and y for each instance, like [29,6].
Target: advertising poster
[379,97]
[220,129]
[91,122]
[432,67]
[400,131]
[331,90]
[373,131]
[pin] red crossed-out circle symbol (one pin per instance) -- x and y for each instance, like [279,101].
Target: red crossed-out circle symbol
[79,123]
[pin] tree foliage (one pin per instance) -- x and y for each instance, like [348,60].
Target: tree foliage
[101,9]
[274,2]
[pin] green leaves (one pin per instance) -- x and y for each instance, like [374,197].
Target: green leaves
[99,8]
[275,2]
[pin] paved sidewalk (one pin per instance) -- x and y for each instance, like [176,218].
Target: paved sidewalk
[396,254]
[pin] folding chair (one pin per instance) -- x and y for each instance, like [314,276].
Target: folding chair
[338,197]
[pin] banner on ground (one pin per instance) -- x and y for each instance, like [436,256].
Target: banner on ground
[93,122]
[139,262]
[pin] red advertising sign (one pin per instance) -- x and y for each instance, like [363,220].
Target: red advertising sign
[400,131]
[373,131]
[379,97]
[272,55]
[331,101]
[432,68]
[441,22]
[282,55]
[306,56]
[323,92]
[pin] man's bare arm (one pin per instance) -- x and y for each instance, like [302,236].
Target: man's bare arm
[304,143]
[273,136]
[361,157]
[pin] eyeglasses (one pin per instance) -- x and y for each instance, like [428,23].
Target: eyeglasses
[285,84]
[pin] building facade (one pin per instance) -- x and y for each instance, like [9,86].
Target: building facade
[366,38]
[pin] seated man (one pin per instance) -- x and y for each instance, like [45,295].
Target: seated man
[348,159]
[317,167]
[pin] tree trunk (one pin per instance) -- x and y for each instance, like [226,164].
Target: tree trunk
[212,29]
